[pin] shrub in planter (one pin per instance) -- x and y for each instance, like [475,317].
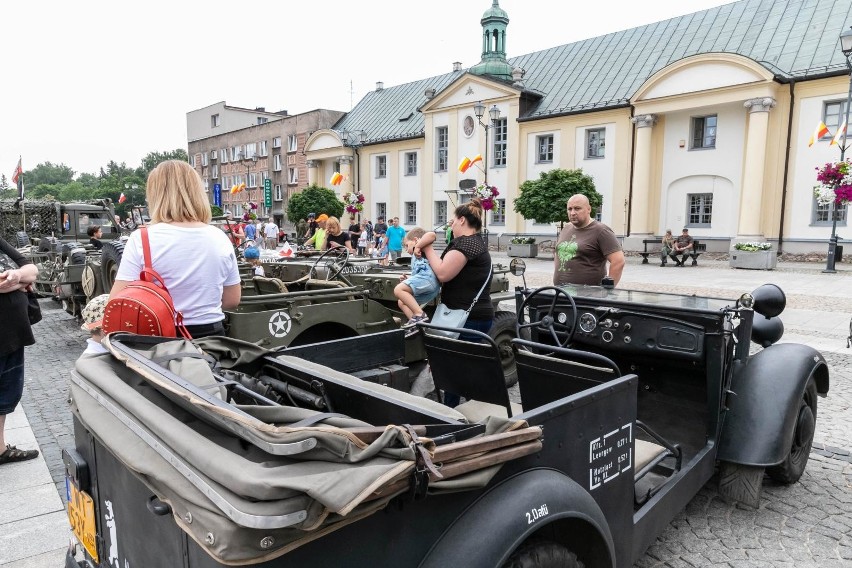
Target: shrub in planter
[752,255]
[523,246]
[523,241]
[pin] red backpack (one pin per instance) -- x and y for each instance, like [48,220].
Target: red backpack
[144,306]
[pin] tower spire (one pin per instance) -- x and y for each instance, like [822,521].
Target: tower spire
[494,22]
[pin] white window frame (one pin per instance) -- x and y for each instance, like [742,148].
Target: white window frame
[411,163]
[440,213]
[276,167]
[252,179]
[292,176]
[215,120]
[292,143]
[411,213]
[223,156]
[204,161]
[381,166]
[821,214]
[250,151]
[544,149]
[501,140]
[595,143]
[276,142]
[214,171]
[442,142]
[279,195]
[701,121]
[498,215]
[382,211]
[704,218]
[264,148]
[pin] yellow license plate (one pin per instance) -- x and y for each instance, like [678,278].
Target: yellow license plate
[81,515]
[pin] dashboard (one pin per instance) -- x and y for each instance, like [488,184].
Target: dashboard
[626,331]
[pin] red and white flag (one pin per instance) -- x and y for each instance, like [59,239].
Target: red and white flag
[838,138]
[18,179]
[122,198]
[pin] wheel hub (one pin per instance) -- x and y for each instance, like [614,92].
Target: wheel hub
[805,426]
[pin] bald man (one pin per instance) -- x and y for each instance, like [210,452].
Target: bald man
[584,247]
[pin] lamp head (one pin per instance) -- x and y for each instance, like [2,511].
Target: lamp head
[479,109]
[344,136]
[846,42]
[494,113]
[362,136]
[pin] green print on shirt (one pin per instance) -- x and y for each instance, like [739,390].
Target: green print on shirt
[566,250]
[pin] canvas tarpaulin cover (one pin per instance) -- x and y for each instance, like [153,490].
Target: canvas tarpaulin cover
[256,505]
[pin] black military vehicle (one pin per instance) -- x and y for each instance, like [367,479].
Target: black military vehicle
[218,452]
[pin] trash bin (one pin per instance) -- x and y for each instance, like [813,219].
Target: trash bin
[838,253]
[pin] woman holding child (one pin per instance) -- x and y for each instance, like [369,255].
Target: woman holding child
[463,267]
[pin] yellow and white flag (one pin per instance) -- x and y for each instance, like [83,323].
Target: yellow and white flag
[838,138]
[821,130]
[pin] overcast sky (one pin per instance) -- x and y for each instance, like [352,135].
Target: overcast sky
[91,81]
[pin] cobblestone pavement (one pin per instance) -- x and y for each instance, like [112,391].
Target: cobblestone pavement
[808,524]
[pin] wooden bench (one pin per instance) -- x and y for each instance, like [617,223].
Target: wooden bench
[697,249]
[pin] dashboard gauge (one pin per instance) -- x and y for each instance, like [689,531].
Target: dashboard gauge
[562,317]
[588,322]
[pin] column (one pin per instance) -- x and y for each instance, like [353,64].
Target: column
[313,168]
[639,224]
[754,164]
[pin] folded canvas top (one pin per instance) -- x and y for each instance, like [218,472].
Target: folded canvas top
[169,425]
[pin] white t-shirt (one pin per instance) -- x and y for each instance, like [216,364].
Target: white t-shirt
[194,262]
[271,231]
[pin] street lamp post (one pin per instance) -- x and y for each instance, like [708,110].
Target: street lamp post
[248,162]
[355,139]
[493,117]
[846,48]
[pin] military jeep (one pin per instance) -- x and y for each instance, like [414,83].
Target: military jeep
[216,452]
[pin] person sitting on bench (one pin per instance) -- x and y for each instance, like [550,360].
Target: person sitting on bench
[682,246]
[668,246]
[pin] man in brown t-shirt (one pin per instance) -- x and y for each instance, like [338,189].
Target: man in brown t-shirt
[584,247]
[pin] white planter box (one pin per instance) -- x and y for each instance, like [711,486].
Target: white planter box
[525,251]
[754,260]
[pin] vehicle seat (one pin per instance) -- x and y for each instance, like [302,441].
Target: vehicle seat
[265,285]
[471,370]
[543,379]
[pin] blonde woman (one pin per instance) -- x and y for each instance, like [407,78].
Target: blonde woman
[335,235]
[195,259]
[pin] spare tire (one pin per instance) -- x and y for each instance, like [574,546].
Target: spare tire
[110,259]
[77,256]
[68,247]
[22,239]
[47,244]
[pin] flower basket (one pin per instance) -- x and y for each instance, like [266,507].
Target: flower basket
[835,184]
[353,202]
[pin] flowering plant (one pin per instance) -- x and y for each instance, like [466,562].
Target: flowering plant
[835,183]
[354,202]
[486,194]
[523,240]
[249,207]
[752,247]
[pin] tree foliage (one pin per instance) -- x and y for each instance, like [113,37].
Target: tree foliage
[151,161]
[314,199]
[543,200]
[48,173]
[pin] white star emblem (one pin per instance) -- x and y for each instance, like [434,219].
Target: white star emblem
[279,324]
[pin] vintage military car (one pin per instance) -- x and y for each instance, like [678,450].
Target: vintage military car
[217,452]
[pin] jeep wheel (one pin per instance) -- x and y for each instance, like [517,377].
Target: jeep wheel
[110,259]
[791,469]
[503,331]
[22,239]
[91,280]
[67,248]
[742,483]
[543,554]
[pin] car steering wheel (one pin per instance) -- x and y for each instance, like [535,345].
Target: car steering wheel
[547,320]
[341,258]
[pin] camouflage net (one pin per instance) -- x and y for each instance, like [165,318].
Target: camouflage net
[41,218]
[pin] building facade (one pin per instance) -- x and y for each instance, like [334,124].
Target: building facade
[699,121]
[272,150]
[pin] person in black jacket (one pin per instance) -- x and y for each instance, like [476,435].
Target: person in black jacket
[16,273]
[95,235]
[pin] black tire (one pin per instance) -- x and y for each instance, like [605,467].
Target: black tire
[47,244]
[543,554]
[741,483]
[503,331]
[791,469]
[67,248]
[22,239]
[110,259]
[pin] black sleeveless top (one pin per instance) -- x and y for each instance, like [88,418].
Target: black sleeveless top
[459,292]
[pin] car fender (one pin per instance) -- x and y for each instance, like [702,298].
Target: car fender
[488,531]
[764,403]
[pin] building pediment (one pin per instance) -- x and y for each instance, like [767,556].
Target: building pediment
[322,140]
[466,91]
[701,73]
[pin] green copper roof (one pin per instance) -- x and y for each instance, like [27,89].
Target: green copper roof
[495,11]
[793,39]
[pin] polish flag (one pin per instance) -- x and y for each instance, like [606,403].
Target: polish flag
[122,198]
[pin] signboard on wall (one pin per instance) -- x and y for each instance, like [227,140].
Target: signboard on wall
[267,192]
[217,194]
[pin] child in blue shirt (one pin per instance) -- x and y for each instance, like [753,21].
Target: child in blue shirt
[419,288]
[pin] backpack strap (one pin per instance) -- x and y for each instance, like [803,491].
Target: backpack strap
[151,275]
